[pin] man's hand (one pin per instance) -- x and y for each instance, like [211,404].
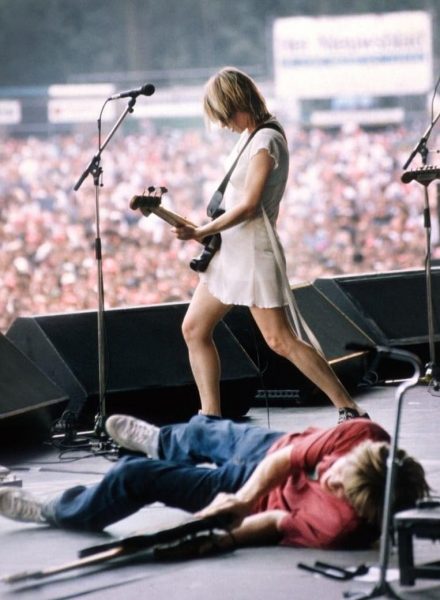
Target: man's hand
[228,505]
[271,472]
[255,530]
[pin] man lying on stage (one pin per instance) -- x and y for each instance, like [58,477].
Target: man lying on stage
[322,488]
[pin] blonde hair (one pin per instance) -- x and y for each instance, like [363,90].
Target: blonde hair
[365,476]
[231,90]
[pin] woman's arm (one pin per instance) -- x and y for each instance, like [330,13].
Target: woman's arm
[258,172]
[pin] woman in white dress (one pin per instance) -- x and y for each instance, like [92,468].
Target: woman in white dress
[249,267]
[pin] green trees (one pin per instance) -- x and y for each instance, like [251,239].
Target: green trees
[55,41]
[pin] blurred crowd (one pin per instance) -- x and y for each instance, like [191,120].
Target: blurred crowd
[345,211]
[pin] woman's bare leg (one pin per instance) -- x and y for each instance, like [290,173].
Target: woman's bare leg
[203,314]
[276,330]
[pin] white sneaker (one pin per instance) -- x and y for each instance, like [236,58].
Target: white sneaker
[134,434]
[20,505]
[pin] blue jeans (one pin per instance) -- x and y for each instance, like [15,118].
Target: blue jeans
[174,479]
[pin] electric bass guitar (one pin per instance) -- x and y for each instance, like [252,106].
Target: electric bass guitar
[193,533]
[151,204]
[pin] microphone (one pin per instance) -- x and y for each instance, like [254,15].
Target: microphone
[146,90]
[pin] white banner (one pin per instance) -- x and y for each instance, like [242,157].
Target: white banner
[79,103]
[78,110]
[10,112]
[386,54]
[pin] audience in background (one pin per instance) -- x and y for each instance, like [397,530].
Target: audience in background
[345,211]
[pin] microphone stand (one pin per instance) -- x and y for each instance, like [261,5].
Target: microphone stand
[94,168]
[421,147]
[431,375]
[383,588]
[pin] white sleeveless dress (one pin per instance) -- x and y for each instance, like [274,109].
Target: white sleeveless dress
[244,271]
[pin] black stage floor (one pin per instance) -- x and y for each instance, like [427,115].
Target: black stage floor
[267,572]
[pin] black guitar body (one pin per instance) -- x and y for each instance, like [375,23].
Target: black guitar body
[211,244]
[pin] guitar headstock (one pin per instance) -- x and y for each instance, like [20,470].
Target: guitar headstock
[423,175]
[147,202]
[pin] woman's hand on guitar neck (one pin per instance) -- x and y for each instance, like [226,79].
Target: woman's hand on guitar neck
[186,232]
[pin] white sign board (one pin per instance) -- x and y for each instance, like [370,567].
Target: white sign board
[77,110]
[10,112]
[79,103]
[387,54]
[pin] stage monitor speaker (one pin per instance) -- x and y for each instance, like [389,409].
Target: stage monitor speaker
[26,394]
[391,307]
[147,366]
[332,329]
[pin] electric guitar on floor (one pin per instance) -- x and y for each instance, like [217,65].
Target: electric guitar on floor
[151,204]
[187,537]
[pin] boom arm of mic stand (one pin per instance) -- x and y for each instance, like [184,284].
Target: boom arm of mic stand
[92,166]
[96,159]
[421,145]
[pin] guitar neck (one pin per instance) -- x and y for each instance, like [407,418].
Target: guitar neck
[168,216]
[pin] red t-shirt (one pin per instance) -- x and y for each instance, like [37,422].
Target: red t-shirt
[318,519]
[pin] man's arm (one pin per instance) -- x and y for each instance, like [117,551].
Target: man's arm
[260,529]
[257,529]
[272,471]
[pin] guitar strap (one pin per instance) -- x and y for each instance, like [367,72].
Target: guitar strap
[216,200]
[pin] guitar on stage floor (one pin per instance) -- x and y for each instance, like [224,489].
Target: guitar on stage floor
[183,541]
[151,203]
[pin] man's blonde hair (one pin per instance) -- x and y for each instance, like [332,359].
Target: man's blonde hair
[365,476]
[231,90]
